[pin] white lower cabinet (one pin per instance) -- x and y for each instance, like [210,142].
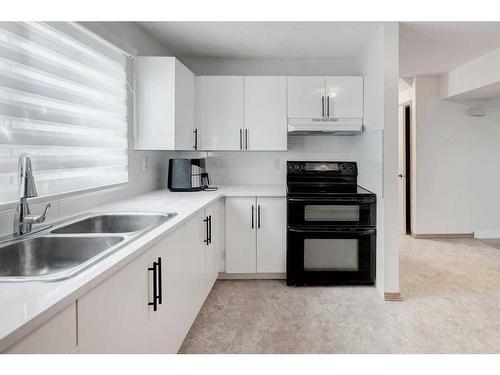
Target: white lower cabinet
[241,236]
[271,235]
[55,336]
[255,234]
[116,316]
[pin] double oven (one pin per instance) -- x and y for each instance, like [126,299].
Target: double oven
[331,234]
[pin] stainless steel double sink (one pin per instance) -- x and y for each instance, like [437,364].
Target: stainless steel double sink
[67,248]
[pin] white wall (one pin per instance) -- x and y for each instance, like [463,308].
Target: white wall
[139,181]
[377,147]
[478,78]
[457,160]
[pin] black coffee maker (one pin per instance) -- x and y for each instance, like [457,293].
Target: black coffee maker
[187,175]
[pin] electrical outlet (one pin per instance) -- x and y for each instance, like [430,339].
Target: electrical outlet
[223,254]
[277,164]
[145,164]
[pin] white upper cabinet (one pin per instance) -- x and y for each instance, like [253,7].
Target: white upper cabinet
[325,97]
[265,113]
[306,97]
[219,112]
[345,96]
[165,91]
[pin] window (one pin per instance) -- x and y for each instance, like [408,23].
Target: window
[63,99]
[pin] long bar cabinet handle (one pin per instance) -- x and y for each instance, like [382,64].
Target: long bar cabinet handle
[155,292]
[160,292]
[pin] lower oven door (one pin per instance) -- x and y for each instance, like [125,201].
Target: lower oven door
[331,256]
[341,211]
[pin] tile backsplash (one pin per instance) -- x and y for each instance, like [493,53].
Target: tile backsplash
[270,167]
[256,167]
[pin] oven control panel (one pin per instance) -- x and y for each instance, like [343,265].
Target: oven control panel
[348,168]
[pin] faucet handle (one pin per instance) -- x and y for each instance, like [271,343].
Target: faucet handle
[37,219]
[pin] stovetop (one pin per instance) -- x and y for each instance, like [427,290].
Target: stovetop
[324,178]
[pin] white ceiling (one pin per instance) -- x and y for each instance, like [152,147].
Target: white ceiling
[437,47]
[293,40]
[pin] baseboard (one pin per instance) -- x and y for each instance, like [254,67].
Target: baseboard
[442,236]
[393,296]
[251,276]
[487,234]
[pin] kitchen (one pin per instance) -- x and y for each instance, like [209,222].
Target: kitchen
[193,169]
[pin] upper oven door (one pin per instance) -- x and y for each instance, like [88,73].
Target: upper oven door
[338,211]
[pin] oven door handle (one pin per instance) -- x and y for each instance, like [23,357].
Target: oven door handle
[355,232]
[334,200]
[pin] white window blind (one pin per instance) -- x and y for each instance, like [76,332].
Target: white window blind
[63,100]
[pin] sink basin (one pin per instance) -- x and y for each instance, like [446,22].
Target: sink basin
[51,255]
[113,223]
[72,246]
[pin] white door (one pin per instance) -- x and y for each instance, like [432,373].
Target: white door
[344,96]
[271,234]
[185,94]
[265,113]
[306,97]
[114,317]
[219,112]
[240,235]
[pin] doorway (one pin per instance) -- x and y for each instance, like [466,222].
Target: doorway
[405,172]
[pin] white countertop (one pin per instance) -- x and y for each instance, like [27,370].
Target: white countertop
[25,305]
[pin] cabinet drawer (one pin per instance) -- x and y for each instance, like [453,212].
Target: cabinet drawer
[56,336]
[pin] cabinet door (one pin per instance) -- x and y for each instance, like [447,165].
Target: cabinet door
[185,94]
[219,111]
[185,284]
[216,247]
[271,234]
[240,235]
[345,94]
[114,317]
[56,336]
[155,88]
[305,97]
[265,113]
[183,288]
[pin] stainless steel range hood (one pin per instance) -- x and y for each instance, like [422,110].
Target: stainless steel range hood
[331,126]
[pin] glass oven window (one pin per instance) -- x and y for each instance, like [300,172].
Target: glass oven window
[326,212]
[333,254]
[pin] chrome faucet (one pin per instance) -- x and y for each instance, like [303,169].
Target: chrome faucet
[23,220]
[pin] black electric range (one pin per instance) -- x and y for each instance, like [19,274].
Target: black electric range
[331,231]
